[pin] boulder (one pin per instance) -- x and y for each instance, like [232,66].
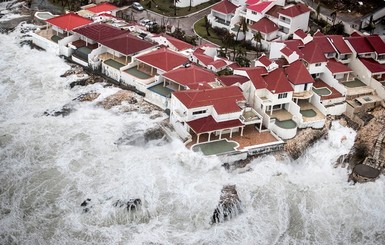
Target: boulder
[155,133]
[132,204]
[229,205]
[117,99]
[304,138]
[64,111]
[90,96]
[87,81]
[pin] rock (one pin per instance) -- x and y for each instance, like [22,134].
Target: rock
[229,205]
[306,137]
[131,204]
[85,202]
[156,133]
[75,69]
[65,111]
[87,81]
[90,96]
[117,99]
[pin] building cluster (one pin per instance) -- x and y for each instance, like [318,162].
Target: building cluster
[300,82]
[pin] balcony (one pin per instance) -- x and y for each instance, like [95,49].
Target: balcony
[250,116]
[303,95]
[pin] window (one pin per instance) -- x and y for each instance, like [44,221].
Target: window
[318,64]
[199,112]
[282,96]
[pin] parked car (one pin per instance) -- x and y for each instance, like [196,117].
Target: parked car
[144,22]
[150,25]
[137,6]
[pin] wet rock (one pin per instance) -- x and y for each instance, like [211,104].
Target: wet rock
[305,138]
[85,202]
[86,205]
[87,81]
[64,111]
[131,204]
[90,96]
[75,69]
[117,99]
[229,205]
[156,133]
[139,137]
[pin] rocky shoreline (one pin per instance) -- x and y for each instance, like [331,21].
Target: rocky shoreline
[130,100]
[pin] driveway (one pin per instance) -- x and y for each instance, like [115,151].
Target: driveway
[185,23]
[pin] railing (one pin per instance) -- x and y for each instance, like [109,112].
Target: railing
[303,95]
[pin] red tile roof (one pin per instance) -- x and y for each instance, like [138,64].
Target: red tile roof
[295,10]
[274,11]
[103,7]
[223,99]
[265,61]
[360,44]
[205,59]
[377,43]
[277,82]
[178,44]
[225,7]
[190,75]
[337,67]
[69,21]
[313,53]
[339,43]
[373,66]
[163,58]
[286,51]
[208,124]
[324,43]
[218,63]
[298,74]
[265,26]
[99,31]
[127,44]
[295,45]
[233,79]
[255,74]
[251,2]
[300,33]
[260,7]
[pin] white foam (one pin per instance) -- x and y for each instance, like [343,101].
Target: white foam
[50,165]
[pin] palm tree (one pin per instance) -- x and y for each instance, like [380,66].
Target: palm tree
[228,40]
[318,10]
[207,25]
[258,38]
[245,27]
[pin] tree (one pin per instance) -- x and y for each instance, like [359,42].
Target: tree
[245,28]
[207,25]
[228,40]
[318,10]
[258,38]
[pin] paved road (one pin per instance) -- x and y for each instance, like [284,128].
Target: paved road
[185,23]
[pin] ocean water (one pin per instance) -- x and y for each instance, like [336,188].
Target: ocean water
[50,165]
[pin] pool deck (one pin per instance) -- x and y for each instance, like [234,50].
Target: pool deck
[321,84]
[251,137]
[307,106]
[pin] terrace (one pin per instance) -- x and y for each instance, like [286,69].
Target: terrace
[124,60]
[138,73]
[309,112]
[251,137]
[49,34]
[325,91]
[161,90]
[250,116]
[357,88]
